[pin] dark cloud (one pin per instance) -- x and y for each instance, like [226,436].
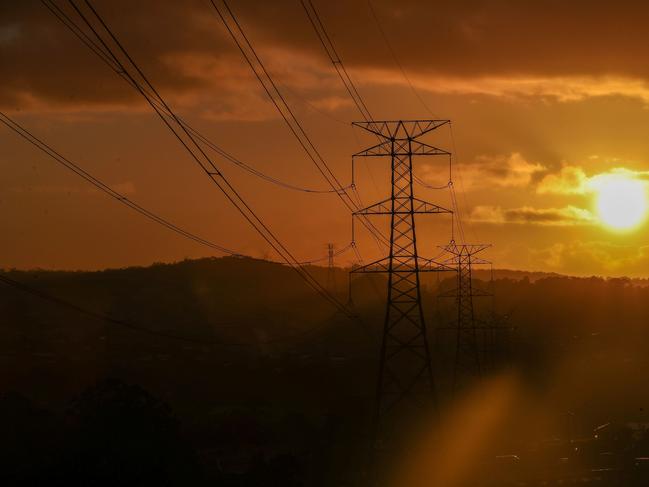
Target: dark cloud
[533,215]
[569,215]
[41,60]
[472,37]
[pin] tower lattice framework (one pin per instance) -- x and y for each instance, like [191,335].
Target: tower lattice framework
[331,271]
[468,366]
[405,384]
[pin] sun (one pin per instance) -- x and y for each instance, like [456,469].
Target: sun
[621,201]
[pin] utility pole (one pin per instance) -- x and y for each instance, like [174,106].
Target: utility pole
[468,365]
[405,386]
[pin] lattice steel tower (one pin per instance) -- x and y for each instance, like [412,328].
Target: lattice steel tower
[405,383]
[467,348]
[331,271]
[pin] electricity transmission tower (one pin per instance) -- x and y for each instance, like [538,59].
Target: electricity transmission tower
[331,272]
[467,365]
[497,341]
[405,386]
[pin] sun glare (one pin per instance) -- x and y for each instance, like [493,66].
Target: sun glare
[621,201]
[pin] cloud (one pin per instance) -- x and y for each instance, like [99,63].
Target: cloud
[586,56]
[569,180]
[566,216]
[595,257]
[558,88]
[49,66]
[192,62]
[503,171]
[573,180]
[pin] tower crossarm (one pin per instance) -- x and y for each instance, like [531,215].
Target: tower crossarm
[401,148]
[401,129]
[402,264]
[465,249]
[402,206]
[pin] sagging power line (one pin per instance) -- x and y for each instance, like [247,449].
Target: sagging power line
[118,54]
[336,60]
[125,200]
[105,318]
[238,35]
[104,187]
[98,50]
[129,325]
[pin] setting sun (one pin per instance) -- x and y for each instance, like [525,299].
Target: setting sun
[621,201]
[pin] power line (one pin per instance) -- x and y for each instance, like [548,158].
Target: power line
[396,59]
[190,144]
[251,57]
[335,59]
[67,163]
[343,74]
[121,198]
[457,220]
[311,106]
[4,279]
[337,62]
[212,171]
[459,172]
[329,255]
[108,319]
[252,170]
[99,52]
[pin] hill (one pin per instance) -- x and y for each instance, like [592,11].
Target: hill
[256,350]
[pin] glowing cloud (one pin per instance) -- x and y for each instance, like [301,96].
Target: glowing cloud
[574,180]
[566,216]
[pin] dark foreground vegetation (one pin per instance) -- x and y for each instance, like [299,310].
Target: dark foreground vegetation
[270,387]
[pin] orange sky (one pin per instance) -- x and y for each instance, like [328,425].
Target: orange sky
[541,94]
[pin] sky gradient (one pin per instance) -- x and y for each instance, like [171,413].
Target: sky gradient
[544,98]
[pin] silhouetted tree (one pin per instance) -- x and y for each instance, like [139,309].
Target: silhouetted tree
[127,437]
[28,442]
